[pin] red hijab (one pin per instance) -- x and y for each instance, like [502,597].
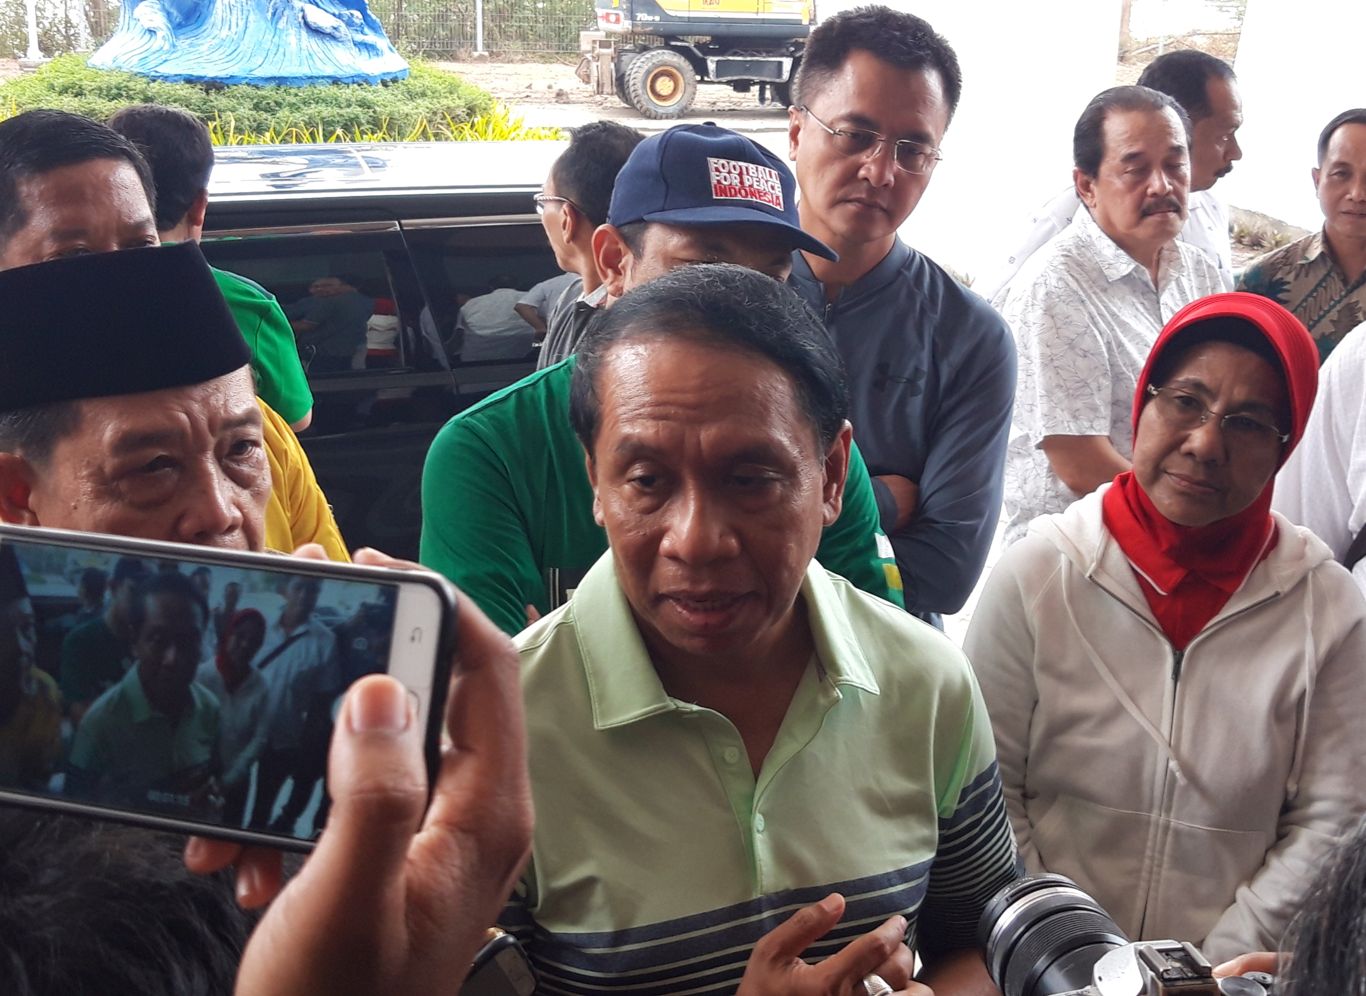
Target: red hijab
[1188,573]
[221,660]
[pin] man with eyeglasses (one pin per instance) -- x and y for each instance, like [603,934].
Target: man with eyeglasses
[931,367]
[572,205]
[1087,307]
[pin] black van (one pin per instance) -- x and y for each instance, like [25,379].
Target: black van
[419,227]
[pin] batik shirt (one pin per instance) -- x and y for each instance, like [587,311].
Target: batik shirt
[1305,278]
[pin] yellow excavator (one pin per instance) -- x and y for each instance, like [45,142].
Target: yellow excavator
[653,53]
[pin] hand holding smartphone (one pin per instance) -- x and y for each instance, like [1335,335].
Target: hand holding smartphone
[192,689]
[395,900]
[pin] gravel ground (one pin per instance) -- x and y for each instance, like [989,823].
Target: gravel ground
[548,93]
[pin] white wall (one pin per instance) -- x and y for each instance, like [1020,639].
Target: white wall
[1298,65]
[1028,70]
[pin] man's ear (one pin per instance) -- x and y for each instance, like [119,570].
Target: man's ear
[16,491]
[836,471]
[194,217]
[592,469]
[794,131]
[1086,187]
[612,256]
[572,222]
[1315,173]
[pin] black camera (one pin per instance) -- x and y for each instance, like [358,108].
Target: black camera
[1043,936]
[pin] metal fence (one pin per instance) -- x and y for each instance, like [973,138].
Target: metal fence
[432,28]
[63,25]
[449,28]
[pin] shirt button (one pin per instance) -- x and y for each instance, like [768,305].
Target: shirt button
[731,754]
[759,823]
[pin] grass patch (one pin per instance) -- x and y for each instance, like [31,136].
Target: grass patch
[430,105]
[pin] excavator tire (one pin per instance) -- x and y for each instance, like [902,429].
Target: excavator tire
[661,84]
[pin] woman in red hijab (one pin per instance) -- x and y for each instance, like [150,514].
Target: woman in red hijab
[1176,674]
[243,708]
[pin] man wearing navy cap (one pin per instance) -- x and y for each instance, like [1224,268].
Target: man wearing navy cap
[507,510]
[700,194]
[931,366]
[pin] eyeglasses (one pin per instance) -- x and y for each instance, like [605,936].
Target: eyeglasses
[1186,412]
[543,199]
[909,156]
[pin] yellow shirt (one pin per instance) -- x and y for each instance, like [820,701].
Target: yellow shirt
[31,738]
[297,511]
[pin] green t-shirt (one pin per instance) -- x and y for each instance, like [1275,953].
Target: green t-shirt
[125,751]
[507,510]
[93,659]
[280,378]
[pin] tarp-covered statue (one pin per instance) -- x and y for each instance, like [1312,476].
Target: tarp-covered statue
[290,42]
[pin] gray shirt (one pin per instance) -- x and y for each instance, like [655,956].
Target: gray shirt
[931,381]
[569,322]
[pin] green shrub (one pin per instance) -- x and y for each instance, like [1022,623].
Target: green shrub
[499,125]
[396,110]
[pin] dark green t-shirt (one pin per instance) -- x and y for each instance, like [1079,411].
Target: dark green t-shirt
[93,660]
[280,379]
[507,510]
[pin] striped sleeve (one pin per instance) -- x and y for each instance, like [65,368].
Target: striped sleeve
[975,858]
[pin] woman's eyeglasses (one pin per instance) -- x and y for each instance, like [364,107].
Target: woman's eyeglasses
[1184,411]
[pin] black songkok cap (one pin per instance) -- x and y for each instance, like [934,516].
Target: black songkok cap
[113,323]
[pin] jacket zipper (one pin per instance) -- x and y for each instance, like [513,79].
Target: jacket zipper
[1178,659]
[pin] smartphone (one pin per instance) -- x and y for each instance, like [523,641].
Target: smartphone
[191,689]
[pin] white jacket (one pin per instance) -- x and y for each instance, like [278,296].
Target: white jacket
[1193,795]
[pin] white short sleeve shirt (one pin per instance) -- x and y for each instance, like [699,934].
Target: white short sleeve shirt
[545,295]
[1323,484]
[1085,315]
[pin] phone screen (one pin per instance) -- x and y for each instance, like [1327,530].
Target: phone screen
[203,693]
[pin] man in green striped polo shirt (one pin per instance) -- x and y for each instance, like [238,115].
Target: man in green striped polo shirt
[720,730]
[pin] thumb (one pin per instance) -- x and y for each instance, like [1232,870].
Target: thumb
[799,931]
[1254,961]
[336,919]
[378,782]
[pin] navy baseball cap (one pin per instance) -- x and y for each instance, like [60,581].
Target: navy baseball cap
[706,175]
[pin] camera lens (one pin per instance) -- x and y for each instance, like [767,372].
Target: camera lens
[1042,935]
